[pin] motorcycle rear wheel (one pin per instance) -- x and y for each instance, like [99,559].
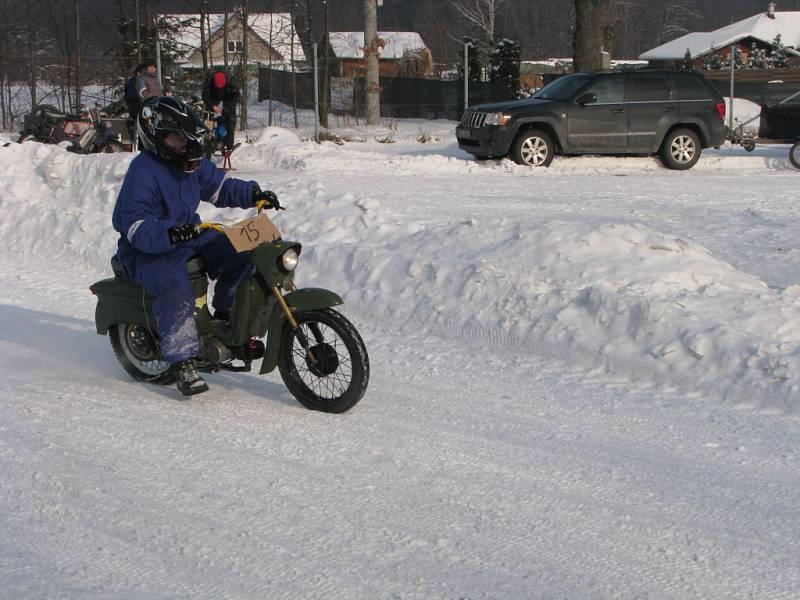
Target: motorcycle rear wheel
[137,351]
[336,379]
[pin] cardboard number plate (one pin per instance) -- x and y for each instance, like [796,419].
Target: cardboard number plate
[252,232]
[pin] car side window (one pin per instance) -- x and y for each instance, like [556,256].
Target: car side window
[689,88]
[609,90]
[648,89]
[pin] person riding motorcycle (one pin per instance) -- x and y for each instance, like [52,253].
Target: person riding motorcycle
[156,217]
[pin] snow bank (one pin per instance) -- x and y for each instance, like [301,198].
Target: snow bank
[623,297]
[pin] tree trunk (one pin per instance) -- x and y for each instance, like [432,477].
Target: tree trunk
[225,37]
[245,15]
[594,32]
[324,104]
[292,15]
[77,56]
[371,50]
[32,47]
[203,47]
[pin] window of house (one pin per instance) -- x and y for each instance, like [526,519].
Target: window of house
[235,46]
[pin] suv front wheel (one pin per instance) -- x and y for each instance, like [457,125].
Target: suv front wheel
[533,148]
[681,149]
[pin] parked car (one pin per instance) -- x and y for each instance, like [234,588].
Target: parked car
[674,114]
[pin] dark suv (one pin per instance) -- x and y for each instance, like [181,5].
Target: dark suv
[672,113]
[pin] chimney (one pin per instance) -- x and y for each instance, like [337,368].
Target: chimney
[771,10]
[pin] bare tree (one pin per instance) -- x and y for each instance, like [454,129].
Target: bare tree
[77,5]
[245,85]
[32,48]
[203,43]
[677,16]
[481,15]
[594,31]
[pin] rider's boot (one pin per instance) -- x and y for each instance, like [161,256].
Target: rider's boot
[188,379]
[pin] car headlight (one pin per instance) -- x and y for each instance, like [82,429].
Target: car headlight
[289,259]
[497,118]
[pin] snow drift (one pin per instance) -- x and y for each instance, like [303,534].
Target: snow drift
[623,297]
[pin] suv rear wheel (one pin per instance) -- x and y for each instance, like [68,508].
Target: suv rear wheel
[681,149]
[533,148]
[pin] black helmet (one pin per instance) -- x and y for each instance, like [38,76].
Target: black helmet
[162,116]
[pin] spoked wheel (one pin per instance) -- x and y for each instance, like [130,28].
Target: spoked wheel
[681,149]
[533,148]
[332,375]
[138,352]
[794,155]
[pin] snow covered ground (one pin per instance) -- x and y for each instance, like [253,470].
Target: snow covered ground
[585,384]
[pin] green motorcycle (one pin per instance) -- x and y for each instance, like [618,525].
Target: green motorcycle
[318,352]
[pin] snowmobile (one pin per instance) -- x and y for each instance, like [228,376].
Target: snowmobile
[87,133]
[318,352]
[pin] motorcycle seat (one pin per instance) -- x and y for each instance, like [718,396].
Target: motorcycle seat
[195,266]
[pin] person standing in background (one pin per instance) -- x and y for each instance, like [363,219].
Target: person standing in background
[221,95]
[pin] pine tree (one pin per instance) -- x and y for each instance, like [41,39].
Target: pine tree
[758,58]
[475,66]
[504,66]
[780,54]
[737,57]
[688,63]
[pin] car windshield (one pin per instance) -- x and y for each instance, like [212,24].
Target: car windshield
[562,88]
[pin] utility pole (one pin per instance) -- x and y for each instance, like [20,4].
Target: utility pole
[77,56]
[138,36]
[371,49]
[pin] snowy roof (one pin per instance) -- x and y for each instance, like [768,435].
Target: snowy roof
[760,27]
[349,44]
[275,29]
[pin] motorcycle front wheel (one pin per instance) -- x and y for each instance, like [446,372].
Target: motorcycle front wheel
[332,376]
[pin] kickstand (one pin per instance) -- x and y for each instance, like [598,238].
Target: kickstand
[226,161]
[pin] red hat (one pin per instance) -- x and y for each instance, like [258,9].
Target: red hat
[220,80]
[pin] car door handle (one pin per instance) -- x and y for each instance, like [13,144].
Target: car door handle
[617,111]
[667,109]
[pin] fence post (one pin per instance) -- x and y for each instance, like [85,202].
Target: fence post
[316,95]
[733,78]
[466,75]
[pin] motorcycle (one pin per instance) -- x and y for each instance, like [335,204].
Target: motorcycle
[88,133]
[319,354]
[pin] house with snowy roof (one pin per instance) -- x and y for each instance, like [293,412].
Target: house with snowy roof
[400,54]
[758,31]
[271,39]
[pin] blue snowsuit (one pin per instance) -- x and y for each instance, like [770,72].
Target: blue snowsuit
[155,196]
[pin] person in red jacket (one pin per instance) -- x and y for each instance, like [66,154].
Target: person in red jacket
[221,96]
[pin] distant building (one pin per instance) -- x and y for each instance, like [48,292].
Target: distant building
[757,31]
[402,54]
[271,38]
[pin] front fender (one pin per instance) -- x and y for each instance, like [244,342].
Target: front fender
[299,301]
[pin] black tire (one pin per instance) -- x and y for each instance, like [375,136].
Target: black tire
[681,149]
[138,352]
[338,381]
[534,148]
[794,155]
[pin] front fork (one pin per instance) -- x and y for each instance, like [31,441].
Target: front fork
[301,335]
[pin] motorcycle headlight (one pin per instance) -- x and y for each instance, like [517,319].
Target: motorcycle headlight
[497,118]
[288,260]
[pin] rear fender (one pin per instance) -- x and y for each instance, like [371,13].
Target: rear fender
[121,301]
[299,301]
